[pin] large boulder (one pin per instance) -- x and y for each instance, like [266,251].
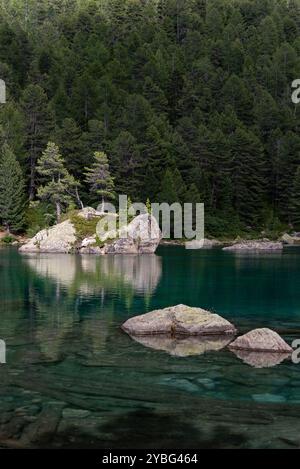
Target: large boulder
[142,235]
[255,246]
[293,240]
[89,213]
[178,320]
[58,238]
[261,340]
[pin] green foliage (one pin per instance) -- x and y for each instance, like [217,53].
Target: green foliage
[99,178]
[8,239]
[12,195]
[84,228]
[39,215]
[189,100]
[60,186]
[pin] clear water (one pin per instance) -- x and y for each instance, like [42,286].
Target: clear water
[73,378]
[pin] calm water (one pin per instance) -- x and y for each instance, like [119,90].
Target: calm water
[73,378]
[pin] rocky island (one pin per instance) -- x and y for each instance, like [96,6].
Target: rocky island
[77,234]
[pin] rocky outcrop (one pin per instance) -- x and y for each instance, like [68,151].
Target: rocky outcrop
[178,320]
[261,340]
[255,246]
[140,236]
[59,238]
[291,240]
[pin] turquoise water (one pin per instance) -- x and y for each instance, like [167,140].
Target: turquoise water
[73,378]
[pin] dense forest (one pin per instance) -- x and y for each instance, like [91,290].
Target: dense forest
[175,100]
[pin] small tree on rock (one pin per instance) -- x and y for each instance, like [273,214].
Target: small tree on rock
[60,186]
[99,178]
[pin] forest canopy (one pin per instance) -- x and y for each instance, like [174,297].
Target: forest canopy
[189,100]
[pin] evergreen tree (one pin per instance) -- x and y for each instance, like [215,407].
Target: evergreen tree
[39,123]
[12,191]
[99,178]
[295,201]
[59,187]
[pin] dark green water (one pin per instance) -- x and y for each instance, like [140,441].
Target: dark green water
[73,378]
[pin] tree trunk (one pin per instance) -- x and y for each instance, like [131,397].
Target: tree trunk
[79,199]
[58,212]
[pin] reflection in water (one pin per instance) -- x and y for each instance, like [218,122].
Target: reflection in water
[90,274]
[261,359]
[184,347]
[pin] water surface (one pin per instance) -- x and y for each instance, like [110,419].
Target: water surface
[73,378]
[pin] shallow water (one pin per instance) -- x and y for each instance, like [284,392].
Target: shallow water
[73,378]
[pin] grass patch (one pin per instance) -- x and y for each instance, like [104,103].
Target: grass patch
[84,228]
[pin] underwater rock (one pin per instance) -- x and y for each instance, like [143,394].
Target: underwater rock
[261,340]
[178,320]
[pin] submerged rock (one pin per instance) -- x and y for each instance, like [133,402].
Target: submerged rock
[255,246]
[261,359]
[178,320]
[183,346]
[261,340]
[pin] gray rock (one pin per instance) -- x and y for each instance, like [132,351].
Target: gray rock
[291,240]
[261,340]
[88,213]
[59,238]
[255,246]
[178,320]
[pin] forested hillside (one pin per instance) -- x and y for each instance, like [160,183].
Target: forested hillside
[190,101]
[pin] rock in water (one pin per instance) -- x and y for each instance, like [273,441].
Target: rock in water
[58,238]
[261,340]
[255,246]
[291,240]
[178,320]
[141,236]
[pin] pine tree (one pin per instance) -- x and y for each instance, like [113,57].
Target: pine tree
[39,123]
[12,191]
[60,187]
[295,201]
[99,178]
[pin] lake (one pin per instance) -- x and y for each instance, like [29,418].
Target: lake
[72,378]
